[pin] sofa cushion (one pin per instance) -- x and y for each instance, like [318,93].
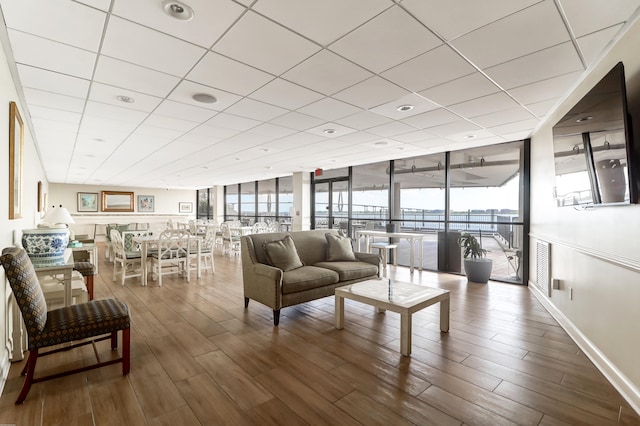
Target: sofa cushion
[282,254]
[306,278]
[350,270]
[339,248]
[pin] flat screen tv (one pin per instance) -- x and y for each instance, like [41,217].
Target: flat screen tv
[593,148]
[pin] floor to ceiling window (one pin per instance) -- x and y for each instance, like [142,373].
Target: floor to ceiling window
[263,201]
[205,199]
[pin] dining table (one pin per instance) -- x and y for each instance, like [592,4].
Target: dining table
[148,241]
[63,266]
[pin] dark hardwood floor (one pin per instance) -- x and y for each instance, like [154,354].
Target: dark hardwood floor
[198,357]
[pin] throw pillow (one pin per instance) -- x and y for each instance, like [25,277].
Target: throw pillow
[282,254]
[339,248]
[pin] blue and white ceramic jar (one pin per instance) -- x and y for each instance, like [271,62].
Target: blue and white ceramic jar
[45,245]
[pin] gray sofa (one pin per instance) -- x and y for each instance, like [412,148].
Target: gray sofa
[321,273]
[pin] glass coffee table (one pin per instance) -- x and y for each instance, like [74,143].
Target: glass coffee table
[395,296]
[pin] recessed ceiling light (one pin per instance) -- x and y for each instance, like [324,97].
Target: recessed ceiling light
[177,10]
[587,118]
[264,150]
[470,136]
[381,143]
[268,167]
[125,99]
[400,148]
[329,131]
[237,159]
[204,98]
[404,108]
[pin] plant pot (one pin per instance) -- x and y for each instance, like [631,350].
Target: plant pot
[478,270]
[45,245]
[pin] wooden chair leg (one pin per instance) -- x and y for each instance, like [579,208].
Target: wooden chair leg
[90,286]
[30,367]
[276,317]
[246,302]
[114,340]
[126,351]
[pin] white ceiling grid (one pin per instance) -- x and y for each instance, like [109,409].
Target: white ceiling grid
[284,72]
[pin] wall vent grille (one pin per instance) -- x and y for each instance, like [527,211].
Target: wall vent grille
[543,260]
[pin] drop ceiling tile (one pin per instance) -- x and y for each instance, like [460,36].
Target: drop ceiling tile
[377,48]
[171,123]
[285,94]
[210,20]
[495,43]
[67,22]
[133,77]
[592,45]
[431,118]
[50,117]
[113,112]
[542,108]
[323,21]
[465,88]
[327,73]
[272,131]
[329,109]
[42,53]
[552,62]
[297,121]
[381,144]
[391,129]
[109,95]
[371,93]
[143,46]
[37,78]
[484,105]
[223,73]
[262,43]
[186,89]
[518,126]
[472,134]
[256,110]
[453,19]
[597,15]
[98,4]
[358,138]
[161,134]
[234,122]
[363,120]
[419,104]
[551,88]
[46,99]
[106,128]
[184,111]
[443,64]
[338,130]
[454,127]
[502,117]
[212,132]
[295,141]
[415,136]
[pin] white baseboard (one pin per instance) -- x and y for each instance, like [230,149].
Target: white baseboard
[627,389]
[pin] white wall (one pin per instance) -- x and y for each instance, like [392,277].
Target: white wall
[594,252]
[166,207]
[32,173]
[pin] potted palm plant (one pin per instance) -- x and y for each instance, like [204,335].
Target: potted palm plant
[476,265]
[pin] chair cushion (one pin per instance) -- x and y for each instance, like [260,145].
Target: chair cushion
[85,268]
[339,248]
[307,278]
[80,321]
[282,254]
[350,270]
[26,288]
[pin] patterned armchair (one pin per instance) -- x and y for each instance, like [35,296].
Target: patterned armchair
[98,319]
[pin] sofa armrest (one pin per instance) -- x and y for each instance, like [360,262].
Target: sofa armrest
[372,258]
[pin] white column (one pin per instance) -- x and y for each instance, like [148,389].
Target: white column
[301,218]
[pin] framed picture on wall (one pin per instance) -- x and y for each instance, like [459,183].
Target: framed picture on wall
[87,201]
[146,203]
[16,152]
[184,207]
[117,201]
